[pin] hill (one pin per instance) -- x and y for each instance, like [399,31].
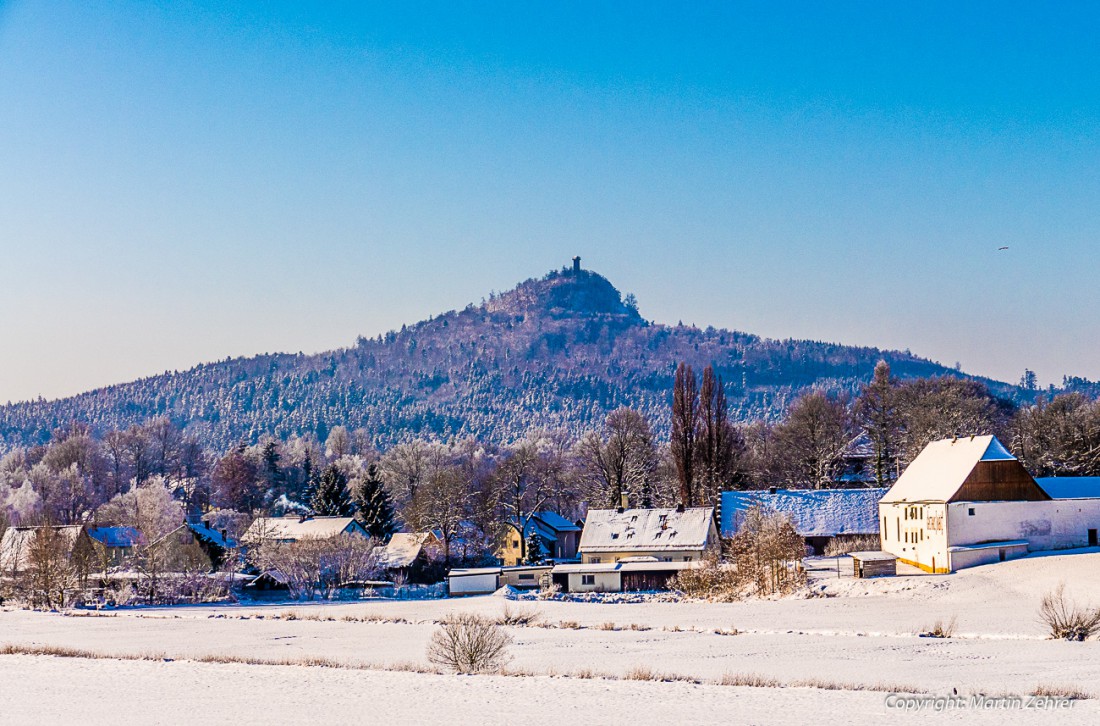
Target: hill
[561,351]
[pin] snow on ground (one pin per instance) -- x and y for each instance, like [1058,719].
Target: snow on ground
[853,632]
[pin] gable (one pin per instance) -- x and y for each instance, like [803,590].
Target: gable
[942,467]
[999,481]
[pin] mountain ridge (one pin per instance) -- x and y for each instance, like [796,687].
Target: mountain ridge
[557,351]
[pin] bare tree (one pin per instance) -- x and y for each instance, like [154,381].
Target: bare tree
[469,643]
[877,410]
[719,447]
[685,426]
[813,437]
[622,461]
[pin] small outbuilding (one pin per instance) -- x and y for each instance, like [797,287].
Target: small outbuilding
[473,581]
[873,564]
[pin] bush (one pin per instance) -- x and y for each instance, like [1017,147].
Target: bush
[1065,619]
[940,629]
[843,544]
[469,643]
[519,617]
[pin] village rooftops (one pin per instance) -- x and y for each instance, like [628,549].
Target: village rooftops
[646,530]
[814,512]
[646,564]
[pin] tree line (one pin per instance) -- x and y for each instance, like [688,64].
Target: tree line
[472,492]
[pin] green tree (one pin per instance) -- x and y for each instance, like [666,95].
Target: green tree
[536,553]
[374,505]
[331,497]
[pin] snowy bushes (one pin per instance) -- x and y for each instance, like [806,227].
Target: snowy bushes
[766,555]
[1065,619]
[315,567]
[469,643]
[843,544]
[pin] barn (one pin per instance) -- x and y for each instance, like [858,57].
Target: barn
[968,501]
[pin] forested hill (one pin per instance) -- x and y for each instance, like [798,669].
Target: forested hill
[562,351]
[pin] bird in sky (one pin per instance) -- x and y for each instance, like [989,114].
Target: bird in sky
[1001,248]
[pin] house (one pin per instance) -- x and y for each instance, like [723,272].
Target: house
[409,556]
[559,538]
[821,516]
[193,546]
[969,501]
[18,545]
[116,546]
[666,535]
[873,564]
[294,528]
[624,575]
[525,577]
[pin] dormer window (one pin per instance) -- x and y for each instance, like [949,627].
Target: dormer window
[634,518]
[614,535]
[663,517]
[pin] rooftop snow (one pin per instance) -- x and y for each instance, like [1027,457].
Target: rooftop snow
[116,536]
[1070,487]
[609,530]
[941,468]
[403,549]
[291,529]
[815,513]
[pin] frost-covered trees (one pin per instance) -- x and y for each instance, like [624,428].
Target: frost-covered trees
[812,439]
[621,460]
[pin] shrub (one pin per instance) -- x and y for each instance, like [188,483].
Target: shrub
[519,617]
[941,629]
[1065,620]
[843,544]
[1071,692]
[469,643]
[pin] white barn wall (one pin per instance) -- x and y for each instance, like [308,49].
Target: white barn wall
[1053,525]
[605,582]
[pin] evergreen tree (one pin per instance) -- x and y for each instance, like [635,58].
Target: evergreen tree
[536,553]
[331,497]
[374,505]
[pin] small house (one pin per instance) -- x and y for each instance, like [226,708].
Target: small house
[408,556]
[665,535]
[294,528]
[116,546]
[557,536]
[19,545]
[525,577]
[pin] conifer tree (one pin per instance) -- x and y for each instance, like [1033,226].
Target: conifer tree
[374,505]
[536,553]
[331,497]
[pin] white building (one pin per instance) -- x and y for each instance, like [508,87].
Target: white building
[969,501]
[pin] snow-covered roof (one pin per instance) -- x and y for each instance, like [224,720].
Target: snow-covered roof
[1070,487]
[609,530]
[872,556]
[212,535]
[474,571]
[940,469]
[17,541]
[555,521]
[294,528]
[403,549]
[815,513]
[116,536]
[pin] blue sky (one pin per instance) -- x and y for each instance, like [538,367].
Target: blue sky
[185,181]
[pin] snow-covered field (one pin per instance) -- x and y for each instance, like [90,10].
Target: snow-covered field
[853,634]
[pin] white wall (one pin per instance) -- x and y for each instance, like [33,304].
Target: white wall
[920,539]
[1054,525]
[472,584]
[605,582]
[973,558]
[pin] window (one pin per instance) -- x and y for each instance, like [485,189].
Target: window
[970,512]
[588,579]
[515,543]
[595,560]
[666,559]
[527,576]
[687,559]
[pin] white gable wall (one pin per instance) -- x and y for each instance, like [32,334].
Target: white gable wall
[916,533]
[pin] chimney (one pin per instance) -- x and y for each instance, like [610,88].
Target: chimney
[772,490]
[577,264]
[680,507]
[624,501]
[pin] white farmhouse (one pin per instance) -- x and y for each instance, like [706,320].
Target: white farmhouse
[969,501]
